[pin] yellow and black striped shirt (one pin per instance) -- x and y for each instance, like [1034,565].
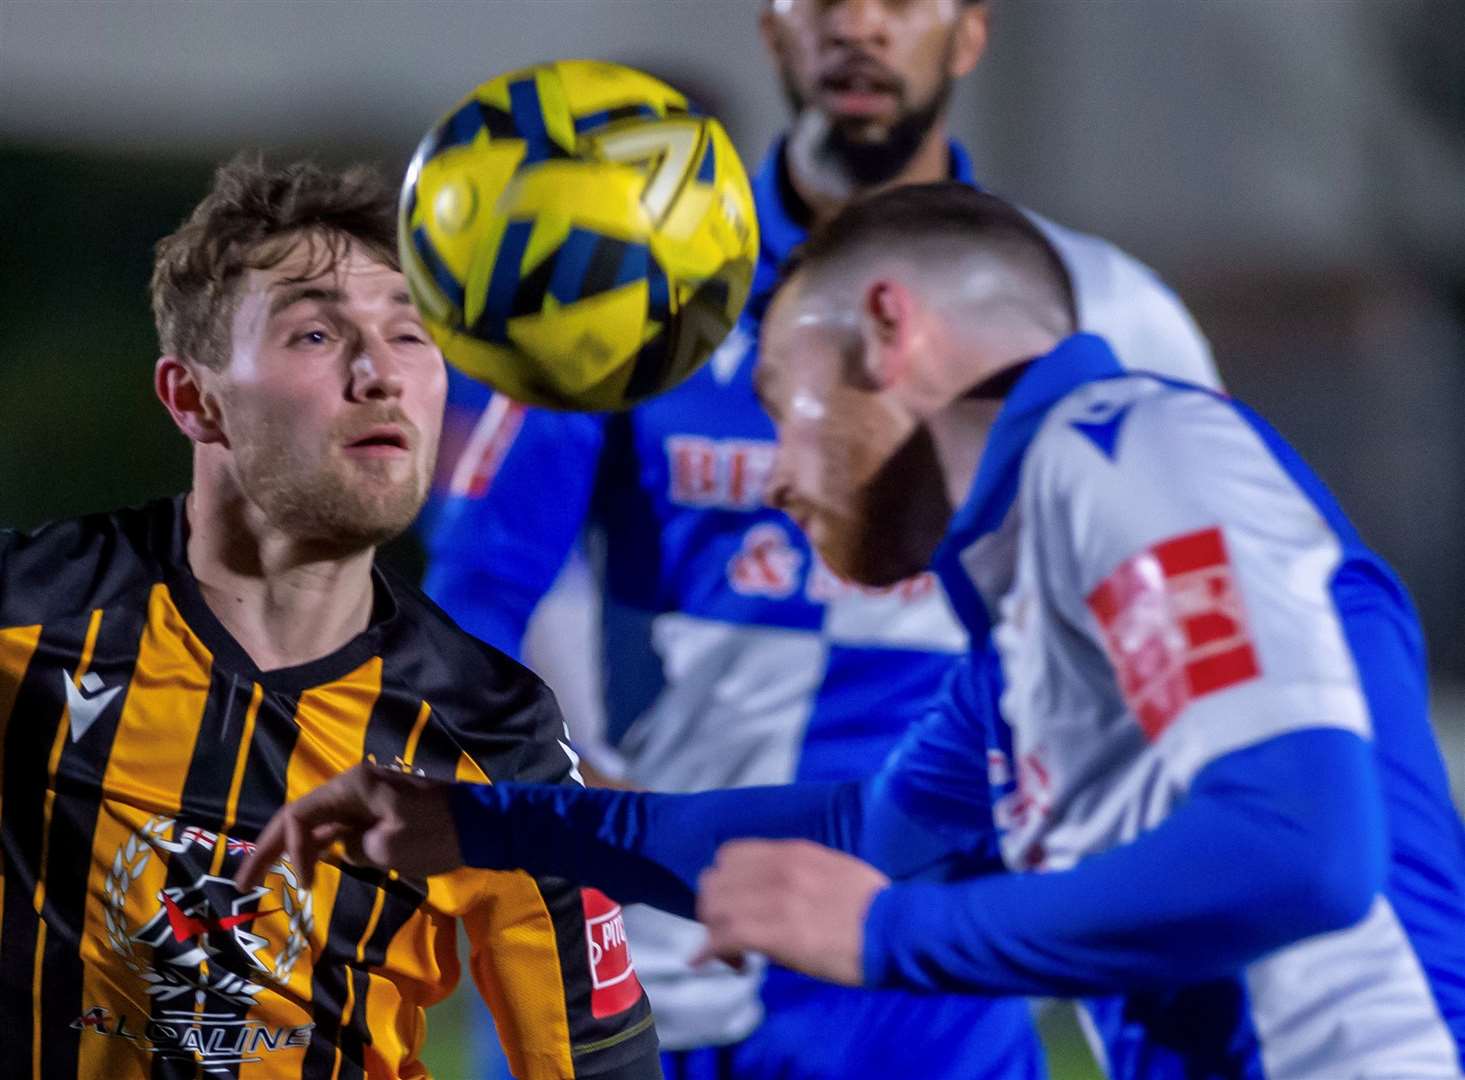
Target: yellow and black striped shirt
[141,751]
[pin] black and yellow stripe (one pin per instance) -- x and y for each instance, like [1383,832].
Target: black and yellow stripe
[156,795]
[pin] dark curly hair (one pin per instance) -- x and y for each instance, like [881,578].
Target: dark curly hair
[251,219]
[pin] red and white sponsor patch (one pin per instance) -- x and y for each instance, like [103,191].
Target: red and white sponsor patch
[614,987]
[1174,627]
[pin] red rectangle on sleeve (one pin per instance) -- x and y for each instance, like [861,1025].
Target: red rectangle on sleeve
[614,987]
[1173,627]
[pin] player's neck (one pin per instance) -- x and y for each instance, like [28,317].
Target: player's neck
[967,392]
[826,187]
[284,602]
[959,435]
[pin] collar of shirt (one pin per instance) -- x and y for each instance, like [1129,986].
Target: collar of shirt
[1075,361]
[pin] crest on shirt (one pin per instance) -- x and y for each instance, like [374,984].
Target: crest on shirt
[201,937]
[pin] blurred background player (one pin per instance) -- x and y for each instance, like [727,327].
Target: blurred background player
[1193,718]
[731,654]
[170,674]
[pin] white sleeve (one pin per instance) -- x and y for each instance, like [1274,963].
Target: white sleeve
[1125,302]
[1203,574]
[570,613]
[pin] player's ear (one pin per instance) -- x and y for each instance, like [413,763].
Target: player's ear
[886,311]
[970,40]
[188,402]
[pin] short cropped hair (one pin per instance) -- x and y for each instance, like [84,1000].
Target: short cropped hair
[252,219]
[932,221]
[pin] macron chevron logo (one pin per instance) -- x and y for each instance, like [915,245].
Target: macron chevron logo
[1103,431]
[86,702]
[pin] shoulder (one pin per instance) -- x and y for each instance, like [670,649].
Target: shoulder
[1138,424]
[1124,301]
[86,562]
[498,712]
[426,628]
[1122,464]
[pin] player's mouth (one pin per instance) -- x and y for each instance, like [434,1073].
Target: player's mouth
[860,88]
[381,441]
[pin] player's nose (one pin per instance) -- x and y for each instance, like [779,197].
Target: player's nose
[375,374]
[857,22]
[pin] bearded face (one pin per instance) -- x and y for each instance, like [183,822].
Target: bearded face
[330,487]
[331,400]
[871,84]
[853,470]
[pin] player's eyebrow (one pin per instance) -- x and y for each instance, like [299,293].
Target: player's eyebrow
[295,293]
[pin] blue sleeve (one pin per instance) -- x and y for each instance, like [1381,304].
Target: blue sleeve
[924,817]
[1275,843]
[929,812]
[640,847]
[519,484]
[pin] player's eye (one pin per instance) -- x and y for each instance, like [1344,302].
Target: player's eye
[310,337]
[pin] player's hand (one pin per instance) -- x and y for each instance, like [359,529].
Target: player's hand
[800,904]
[381,817]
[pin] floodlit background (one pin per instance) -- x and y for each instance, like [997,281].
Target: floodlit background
[1295,168]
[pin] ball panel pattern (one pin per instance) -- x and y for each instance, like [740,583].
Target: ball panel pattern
[577,235]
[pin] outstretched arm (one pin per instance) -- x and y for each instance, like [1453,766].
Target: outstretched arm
[637,846]
[924,817]
[1275,843]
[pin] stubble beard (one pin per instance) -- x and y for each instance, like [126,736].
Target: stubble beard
[896,521]
[868,160]
[338,505]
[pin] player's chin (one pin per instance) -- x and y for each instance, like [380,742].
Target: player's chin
[862,130]
[864,559]
[380,513]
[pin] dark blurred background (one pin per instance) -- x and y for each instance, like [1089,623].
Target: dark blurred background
[1295,168]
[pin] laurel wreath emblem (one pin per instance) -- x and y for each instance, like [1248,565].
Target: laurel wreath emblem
[128,864]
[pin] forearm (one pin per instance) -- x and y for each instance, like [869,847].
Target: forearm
[640,847]
[1276,843]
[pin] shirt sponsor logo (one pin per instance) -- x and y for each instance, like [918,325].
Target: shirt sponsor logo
[614,987]
[214,1041]
[1174,627]
[726,474]
[201,940]
[767,564]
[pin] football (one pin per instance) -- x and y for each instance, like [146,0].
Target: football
[578,235]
